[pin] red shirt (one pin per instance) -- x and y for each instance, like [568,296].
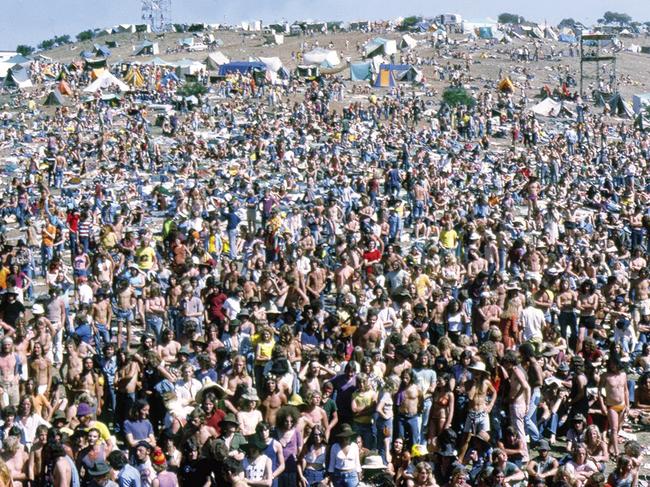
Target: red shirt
[73,222]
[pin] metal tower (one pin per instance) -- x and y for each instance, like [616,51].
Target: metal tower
[158,14]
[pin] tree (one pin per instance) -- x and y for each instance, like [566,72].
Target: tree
[567,23]
[191,89]
[458,96]
[506,18]
[24,50]
[617,18]
[86,35]
[409,22]
[61,40]
[46,44]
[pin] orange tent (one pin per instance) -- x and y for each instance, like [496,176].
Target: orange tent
[64,88]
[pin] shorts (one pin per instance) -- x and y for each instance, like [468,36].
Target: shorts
[476,422]
[588,322]
[125,315]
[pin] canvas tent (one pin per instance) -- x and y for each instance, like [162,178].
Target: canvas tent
[134,77]
[243,67]
[18,77]
[505,85]
[619,107]
[277,39]
[380,46]
[570,38]
[54,98]
[485,32]
[361,71]
[216,59]
[407,42]
[160,62]
[106,81]
[307,71]
[101,50]
[64,88]
[273,64]
[384,79]
[322,57]
[547,108]
[640,102]
[147,48]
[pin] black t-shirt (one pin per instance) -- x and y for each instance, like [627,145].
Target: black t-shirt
[11,311]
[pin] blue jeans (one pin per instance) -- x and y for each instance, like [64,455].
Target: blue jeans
[531,425]
[424,420]
[384,430]
[408,428]
[155,324]
[232,241]
[47,253]
[549,424]
[345,479]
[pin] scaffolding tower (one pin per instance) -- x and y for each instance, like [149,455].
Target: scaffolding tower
[592,54]
[157,14]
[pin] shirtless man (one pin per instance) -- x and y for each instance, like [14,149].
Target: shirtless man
[55,312]
[615,403]
[368,335]
[409,408]
[273,400]
[518,396]
[88,382]
[34,467]
[16,458]
[102,314]
[40,370]
[642,302]
[126,386]
[168,348]
[316,280]
[237,376]
[478,408]
[343,274]
[125,310]
[10,368]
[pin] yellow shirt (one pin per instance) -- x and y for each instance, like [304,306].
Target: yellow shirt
[422,283]
[102,428]
[363,400]
[448,238]
[264,350]
[4,272]
[145,257]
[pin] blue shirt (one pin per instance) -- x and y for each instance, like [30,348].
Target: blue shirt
[129,477]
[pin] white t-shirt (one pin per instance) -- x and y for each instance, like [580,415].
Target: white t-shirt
[532,321]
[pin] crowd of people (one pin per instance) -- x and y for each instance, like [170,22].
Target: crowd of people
[317,292]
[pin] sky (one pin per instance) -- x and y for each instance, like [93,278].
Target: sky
[31,21]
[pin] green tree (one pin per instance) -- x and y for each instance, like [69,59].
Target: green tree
[46,44]
[61,40]
[85,35]
[24,50]
[410,22]
[567,23]
[192,89]
[617,18]
[458,96]
[506,18]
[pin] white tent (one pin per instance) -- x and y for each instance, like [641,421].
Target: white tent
[321,57]
[407,42]
[272,63]
[551,108]
[216,59]
[105,81]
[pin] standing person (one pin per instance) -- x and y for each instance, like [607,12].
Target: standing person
[409,399]
[232,225]
[535,379]
[311,461]
[385,417]
[426,379]
[164,477]
[344,464]
[10,370]
[519,397]
[364,401]
[614,401]
[257,466]
[478,408]
[289,436]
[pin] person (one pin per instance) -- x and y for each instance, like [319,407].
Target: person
[614,399]
[480,390]
[344,465]
[257,466]
[545,465]
[164,477]
[125,474]
[100,473]
[312,459]
[518,397]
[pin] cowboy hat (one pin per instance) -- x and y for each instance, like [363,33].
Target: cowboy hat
[255,441]
[99,469]
[296,400]
[251,396]
[229,418]
[37,309]
[345,431]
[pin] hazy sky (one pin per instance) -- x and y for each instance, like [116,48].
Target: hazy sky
[30,21]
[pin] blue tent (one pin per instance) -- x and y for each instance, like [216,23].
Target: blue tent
[385,78]
[243,67]
[485,32]
[567,38]
[101,50]
[360,71]
[171,76]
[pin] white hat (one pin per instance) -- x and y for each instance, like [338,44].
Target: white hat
[37,309]
[478,367]
[373,462]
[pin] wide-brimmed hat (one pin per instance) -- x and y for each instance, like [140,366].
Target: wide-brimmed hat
[373,462]
[478,367]
[37,309]
[213,387]
[255,441]
[229,418]
[345,431]
[99,469]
